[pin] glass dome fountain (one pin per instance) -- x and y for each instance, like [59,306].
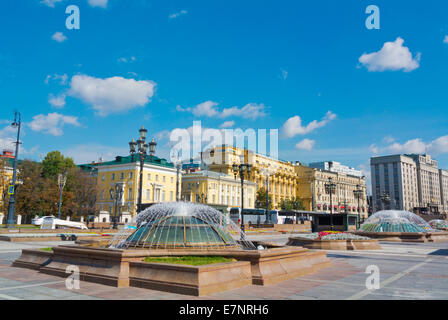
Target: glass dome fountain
[438,224]
[395,221]
[181,225]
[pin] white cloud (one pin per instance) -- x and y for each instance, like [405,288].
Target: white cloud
[439,145]
[86,153]
[445,40]
[61,77]
[59,37]
[374,149]
[434,147]
[57,101]
[293,126]
[305,144]
[111,95]
[127,60]
[284,75]
[365,169]
[98,3]
[52,123]
[50,3]
[227,124]
[249,111]
[411,146]
[206,108]
[7,137]
[177,14]
[392,56]
[209,109]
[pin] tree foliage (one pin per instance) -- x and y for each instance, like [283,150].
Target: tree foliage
[292,204]
[39,192]
[261,199]
[55,163]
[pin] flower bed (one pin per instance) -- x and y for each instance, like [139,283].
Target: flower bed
[332,235]
[334,240]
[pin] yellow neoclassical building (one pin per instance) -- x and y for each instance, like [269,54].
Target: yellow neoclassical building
[312,190]
[6,171]
[159,183]
[219,190]
[280,174]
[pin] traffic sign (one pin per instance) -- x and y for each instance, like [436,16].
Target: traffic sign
[11,190]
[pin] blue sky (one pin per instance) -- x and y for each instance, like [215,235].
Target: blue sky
[312,70]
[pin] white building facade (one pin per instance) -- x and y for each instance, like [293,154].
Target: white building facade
[412,182]
[334,166]
[396,176]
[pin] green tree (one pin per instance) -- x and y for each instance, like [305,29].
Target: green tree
[32,195]
[261,199]
[292,204]
[4,181]
[39,193]
[55,163]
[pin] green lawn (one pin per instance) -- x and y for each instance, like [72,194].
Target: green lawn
[22,226]
[190,260]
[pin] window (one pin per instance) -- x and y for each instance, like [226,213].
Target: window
[130,175]
[163,178]
[163,195]
[122,175]
[157,177]
[171,195]
[149,176]
[130,193]
[113,176]
[172,179]
[148,192]
[102,177]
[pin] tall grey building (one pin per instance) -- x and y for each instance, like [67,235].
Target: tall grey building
[443,174]
[428,182]
[335,166]
[413,182]
[396,176]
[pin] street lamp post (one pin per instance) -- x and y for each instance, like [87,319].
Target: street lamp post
[243,169]
[116,195]
[358,192]
[268,172]
[385,198]
[12,201]
[311,182]
[330,187]
[175,158]
[267,198]
[141,147]
[62,180]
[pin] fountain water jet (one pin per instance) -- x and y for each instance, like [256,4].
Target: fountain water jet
[181,225]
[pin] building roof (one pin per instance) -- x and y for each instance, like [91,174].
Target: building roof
[120,160]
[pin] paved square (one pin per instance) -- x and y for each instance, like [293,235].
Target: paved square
[407,271]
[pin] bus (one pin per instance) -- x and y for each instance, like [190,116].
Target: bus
[252,216]
[255,216]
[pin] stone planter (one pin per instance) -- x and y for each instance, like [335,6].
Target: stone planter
[350,244]
[406,236]
[191,280]
[33,259]
[121,268]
